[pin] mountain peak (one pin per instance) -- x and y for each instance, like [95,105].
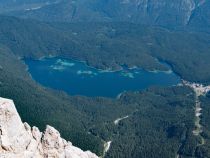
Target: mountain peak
[19,140]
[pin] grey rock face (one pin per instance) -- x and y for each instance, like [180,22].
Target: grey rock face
[19,140]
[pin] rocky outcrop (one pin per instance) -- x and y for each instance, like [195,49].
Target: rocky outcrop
[19,140]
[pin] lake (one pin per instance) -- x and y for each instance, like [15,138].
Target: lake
[76,78]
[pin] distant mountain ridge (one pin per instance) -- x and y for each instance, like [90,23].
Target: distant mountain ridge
[167,13]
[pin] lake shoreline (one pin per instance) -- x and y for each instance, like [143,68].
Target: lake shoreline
[105,83]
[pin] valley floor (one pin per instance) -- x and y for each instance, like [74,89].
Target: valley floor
[200,90]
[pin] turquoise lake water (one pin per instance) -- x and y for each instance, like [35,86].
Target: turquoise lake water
[76,78]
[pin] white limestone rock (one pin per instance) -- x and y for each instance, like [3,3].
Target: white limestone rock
[19,140]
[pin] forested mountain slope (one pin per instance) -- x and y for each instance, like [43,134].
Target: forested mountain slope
[167,13]
[111,45]
[40,106]
[166,114]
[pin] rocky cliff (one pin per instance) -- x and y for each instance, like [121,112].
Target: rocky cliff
[19,140]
